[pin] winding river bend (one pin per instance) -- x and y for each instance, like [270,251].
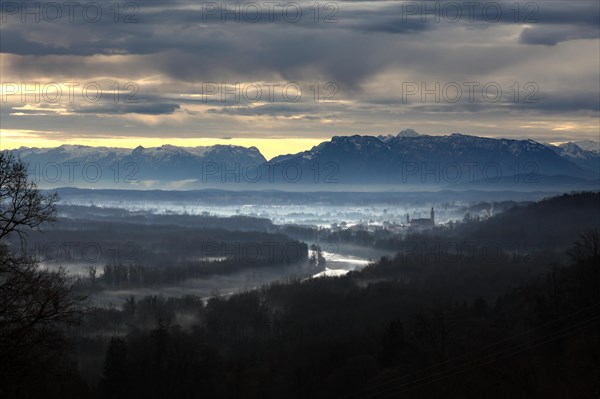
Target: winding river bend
[337,264]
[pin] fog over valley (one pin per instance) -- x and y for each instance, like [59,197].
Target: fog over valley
[300,200]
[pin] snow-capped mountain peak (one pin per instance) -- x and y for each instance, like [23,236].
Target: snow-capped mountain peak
[408,133]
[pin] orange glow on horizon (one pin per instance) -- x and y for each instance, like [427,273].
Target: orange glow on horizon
[269,147]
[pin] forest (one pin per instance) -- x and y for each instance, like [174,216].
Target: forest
[390,330]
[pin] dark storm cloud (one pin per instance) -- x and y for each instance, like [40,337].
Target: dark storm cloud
[269,109]
[553,21]
[556,102]
[129,101]
[112,109]
[162,27]
[147,108]
[551,35]
[545,101]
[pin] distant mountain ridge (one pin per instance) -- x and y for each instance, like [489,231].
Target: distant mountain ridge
[437,160]
[79,165]
[407,158]
[587,158]
[164,153]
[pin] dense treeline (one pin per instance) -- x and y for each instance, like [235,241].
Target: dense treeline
[136,275]
[550,223]
[75,213]
[100,242]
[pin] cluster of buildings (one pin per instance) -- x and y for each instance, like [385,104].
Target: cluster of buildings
[394,226]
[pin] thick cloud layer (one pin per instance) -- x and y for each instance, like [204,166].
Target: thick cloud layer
[191,69]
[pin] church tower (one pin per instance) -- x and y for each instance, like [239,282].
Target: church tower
[432,216]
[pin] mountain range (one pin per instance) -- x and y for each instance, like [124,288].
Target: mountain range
[408,158]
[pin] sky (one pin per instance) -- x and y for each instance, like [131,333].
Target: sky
[284,76]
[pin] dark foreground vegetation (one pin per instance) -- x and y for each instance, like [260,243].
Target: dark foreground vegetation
[432,334]
[441,323]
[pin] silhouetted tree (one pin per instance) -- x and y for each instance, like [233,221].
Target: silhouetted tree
[115,374]
[585,255]
[22,206]
[392,343]
[35,305]
[480,307]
